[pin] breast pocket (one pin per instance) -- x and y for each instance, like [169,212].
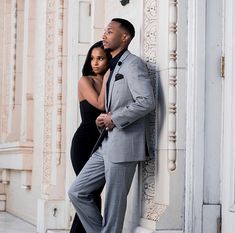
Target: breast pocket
[120,86]
[118,77]
[121,94]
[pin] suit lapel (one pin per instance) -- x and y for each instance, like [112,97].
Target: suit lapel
[116,70]
[105,96]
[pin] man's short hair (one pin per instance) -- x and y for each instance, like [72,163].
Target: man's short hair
[128,26]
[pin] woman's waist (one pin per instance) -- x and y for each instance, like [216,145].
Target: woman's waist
[87,127]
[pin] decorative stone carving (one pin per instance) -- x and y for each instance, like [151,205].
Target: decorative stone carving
[53,92]
[150,209]
[172,43]
[8,77]
[150,32]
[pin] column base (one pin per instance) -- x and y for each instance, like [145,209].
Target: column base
[140,229]
[58,231]
[53,216]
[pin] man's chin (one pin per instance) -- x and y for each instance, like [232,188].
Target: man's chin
[108,49]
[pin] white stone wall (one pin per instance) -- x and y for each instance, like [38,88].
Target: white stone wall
[132,12]
[40,65]
[16,107]
[32,156]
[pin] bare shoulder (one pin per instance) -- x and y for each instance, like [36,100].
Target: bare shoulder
[85,84]
[85,81]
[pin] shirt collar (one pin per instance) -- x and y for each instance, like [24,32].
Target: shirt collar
[113,61]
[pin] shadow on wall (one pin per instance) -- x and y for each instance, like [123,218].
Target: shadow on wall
[156,117]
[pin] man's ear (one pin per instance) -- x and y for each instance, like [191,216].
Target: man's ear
[126,37]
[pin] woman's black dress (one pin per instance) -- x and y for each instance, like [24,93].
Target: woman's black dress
[83,142]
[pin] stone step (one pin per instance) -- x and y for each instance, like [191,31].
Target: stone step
[57,231]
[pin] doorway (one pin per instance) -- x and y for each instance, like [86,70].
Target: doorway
[228,138]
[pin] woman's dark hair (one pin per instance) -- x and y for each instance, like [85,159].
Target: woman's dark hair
[87,69]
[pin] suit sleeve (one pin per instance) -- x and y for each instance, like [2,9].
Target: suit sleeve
[143,100]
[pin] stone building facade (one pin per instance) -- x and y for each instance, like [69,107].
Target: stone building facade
[188,46]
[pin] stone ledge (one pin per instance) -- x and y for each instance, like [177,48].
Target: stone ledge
[16,155]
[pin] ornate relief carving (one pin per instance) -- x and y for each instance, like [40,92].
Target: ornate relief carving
[150,32]
[150,209]
[8,78]
[59,82]
[53,91]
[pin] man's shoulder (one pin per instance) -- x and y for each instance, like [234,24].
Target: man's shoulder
[134,58]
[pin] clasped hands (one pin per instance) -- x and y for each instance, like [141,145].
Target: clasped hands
[105,120]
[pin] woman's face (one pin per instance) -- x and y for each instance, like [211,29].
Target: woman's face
[99,61]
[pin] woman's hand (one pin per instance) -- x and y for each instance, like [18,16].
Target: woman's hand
[105,120]
[100,120]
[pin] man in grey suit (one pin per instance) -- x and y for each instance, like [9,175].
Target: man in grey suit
[129,99]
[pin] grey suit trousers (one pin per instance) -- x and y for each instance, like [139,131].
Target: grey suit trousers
[117,177]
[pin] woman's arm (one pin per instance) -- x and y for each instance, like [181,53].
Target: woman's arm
[87,91]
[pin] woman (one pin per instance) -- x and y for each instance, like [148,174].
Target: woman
[91,94]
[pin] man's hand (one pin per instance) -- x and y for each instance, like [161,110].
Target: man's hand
[100,120]
[108,123]
[105,120]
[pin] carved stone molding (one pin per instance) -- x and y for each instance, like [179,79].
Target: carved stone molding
[149,54]
[53,92]
[16,97]
[172,107]
[8,76]
[150,32]
[150,209]
[16,156]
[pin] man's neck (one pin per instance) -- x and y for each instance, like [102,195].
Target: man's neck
[117,51]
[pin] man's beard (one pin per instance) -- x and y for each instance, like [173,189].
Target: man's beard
[109,50]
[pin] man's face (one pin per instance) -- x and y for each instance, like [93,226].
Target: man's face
[113,36]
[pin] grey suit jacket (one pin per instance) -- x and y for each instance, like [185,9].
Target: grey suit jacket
[130,99]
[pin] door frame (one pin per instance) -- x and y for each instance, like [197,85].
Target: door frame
[195,129]
[228,148]
[200,206]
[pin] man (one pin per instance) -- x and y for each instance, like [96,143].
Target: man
[129,98]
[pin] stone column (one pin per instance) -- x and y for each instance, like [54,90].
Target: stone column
[163,176]
[52,206]
[16,98]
